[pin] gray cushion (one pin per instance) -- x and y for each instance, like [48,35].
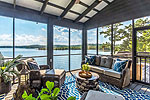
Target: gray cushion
[106,62]
[111,72]
[97,95]
[97,60]
[103,61]
[1,59]
[98,69]
[109,62]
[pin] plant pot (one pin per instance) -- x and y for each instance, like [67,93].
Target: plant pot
[85,74]
[5,87]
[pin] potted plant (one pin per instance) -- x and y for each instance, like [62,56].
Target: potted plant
[6,73]
[46,93]
[85,71]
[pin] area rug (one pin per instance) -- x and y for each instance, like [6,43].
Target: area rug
[2,96]
[69,89]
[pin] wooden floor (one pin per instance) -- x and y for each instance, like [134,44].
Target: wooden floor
[140,88]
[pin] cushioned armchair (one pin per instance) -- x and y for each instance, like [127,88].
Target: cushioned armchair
[34,71]
[104,67]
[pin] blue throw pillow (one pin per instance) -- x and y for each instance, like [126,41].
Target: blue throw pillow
[33,66]
[119,65]
[90,60]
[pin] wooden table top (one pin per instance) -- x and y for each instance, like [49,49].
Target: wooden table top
[94,76]
[55,72]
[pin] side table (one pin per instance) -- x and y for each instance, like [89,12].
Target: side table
[85,84]
[54,75]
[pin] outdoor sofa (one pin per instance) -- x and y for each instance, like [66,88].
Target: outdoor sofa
[104,67]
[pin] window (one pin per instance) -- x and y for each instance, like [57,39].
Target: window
[122,37]
[104,40]
[61,48]
[76,48]
[6,36]
[91,41]
[31,40]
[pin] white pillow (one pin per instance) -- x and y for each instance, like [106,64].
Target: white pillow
[96,95]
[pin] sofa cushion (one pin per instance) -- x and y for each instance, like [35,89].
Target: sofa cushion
[106,62]
[90,60]
[33,66]
[119,65]
[112,73]
[98,69]
[97,95]
[97,60]
[1,59]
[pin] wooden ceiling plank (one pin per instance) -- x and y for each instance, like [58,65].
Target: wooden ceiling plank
[67,8]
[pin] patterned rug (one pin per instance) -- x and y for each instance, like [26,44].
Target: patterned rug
[2,96]
[69,89]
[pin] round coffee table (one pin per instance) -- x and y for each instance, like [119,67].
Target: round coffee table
[85,84]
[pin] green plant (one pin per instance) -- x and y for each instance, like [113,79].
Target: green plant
[7,69]
[85,67]
[46,93]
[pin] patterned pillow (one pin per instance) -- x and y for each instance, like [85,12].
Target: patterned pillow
[90,60]
[119,65]
[33,66]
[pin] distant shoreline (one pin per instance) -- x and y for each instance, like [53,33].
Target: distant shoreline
[61,47]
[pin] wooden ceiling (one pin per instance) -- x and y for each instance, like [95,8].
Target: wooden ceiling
[69,9]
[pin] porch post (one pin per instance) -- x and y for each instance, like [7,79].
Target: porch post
[112,46]
[84,42]
[133,53]
[50,43]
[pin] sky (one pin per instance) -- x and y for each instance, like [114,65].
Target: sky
[61,36]
[33,33]
[26,32]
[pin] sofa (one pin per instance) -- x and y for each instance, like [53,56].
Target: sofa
[104,66]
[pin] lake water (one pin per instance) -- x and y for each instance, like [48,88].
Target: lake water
[60,62]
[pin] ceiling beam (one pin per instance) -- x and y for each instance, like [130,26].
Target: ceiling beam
[14,3]
[59,7]
[85,5]
[67,8]
[43,7]
[107,2]
[94,4]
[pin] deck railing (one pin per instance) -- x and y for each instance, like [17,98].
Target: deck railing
[143,68]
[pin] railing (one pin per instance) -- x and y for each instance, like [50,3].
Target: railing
[143,68]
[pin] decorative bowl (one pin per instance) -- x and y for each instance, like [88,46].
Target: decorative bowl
[85,74]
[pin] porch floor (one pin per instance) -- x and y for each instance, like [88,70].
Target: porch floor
[138,88]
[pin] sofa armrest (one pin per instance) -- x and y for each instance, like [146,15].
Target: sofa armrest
[42,67]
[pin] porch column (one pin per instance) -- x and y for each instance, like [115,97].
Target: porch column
[133,53]
[50,43]
[84,42]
